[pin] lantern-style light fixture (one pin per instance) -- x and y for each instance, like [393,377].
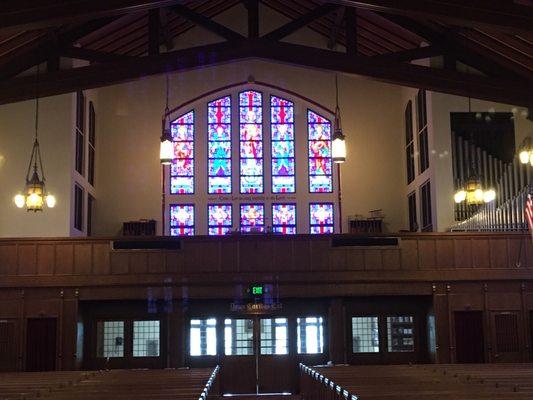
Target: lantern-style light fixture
[166,148]
[338,147]
[35,194]
[525,152]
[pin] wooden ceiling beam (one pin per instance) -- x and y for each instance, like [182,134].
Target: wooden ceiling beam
[298,23]
[504,16]
[165,29]
[93,56]
[410,54]
[336,27]
[154,27]
[452,82]
[253,18]
[206,23]
[351,31]
[31,14]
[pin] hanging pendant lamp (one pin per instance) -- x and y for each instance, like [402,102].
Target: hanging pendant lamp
[338,147]
[166,148]
[35,195]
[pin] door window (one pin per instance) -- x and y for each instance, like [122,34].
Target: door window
[203,337]
[238,337]
[110,339]
[400,334]
[146,338]
[365,335]
[274,337]
[310,335]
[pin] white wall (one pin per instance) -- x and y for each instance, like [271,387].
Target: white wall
[16,140]
[129,126]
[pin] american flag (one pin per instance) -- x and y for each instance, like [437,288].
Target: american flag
[529,211]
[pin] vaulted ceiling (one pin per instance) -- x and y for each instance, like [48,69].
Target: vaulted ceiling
[129,39]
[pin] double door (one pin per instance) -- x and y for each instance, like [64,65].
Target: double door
[257,356]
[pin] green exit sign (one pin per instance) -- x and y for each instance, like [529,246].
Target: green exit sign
[257,290]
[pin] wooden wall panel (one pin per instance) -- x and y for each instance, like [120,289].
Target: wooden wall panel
[8,259]
[517,257]
[174,262]
[498,253]
[373,260]
[69,334]
[528,244]
[27,259]
[11,308]
[42,307]
[426,254]
[202,256]
[444,254]
[391,259]
[229,256]
[283,254]
[462,253]
[337,259]
[467,302]
[82,259]
[119,262]
[319,255]
[480,253]
[101,263]
[355,259]
[64,259]
[156,262]
[45,259]
[504,301]
[409,254]
[138,263]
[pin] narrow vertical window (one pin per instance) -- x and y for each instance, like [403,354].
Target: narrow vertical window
[365,335]
[146,338]
[400,334]
[251,141]
[238,337]
[321,218]
[220,219]
[92,143]
[78,207]
[274,336]
[310,335]
[282,145]
[80,132]
[110,339]
[203,337]
[182,168]
[320,164]
[284,218]
[182,220]
[425,199]
[422,127]
[252,217]
[219,145]
[413,217]
[409,143]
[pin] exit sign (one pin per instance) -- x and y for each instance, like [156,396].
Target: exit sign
[257,290]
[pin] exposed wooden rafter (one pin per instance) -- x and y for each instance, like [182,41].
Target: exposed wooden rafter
[253,18]
[294,25]
[92,55]
[410,54]
[506,16]
[336,27]
[206,23]
[501,90]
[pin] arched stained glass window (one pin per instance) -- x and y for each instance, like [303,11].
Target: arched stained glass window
[282,145]
[220,219]
[251,141]
[284,218]
[219,145]
[252,217]
[321,218]
[182,167]
[182,219]
[320,164]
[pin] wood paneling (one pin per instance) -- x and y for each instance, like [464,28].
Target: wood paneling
[409,254]
[27,259]
[82,259]
[64,259]
[426,254]
[480,253]
[45,259]
[8,259]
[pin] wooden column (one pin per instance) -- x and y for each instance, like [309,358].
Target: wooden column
[337,331]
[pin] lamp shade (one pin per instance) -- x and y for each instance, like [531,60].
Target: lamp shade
[338,147]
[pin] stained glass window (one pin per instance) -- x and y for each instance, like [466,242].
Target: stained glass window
[220,219]
[182,220]
[320,165]
[321,218]
[219,145]
[252,217]
[182,168]
[284,218]
[282,145]
[251,141]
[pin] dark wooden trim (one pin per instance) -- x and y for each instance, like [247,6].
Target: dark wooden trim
[206,23]
[410,54]
[81,53]
[351,31]
[253,18]
[500,15]
[335,28]
[154,25]
[294,25]
[451,82]
[165,29]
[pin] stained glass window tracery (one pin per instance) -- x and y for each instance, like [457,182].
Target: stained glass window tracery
[220,219]
[282,145]
[251,141]
[321,218]
[182,167]
[219,145]
[252,217]
[320,164]
[284,218]
[182,220]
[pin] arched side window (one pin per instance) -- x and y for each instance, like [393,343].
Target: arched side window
[252,159]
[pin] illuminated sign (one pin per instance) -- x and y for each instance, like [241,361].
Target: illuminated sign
[257,290]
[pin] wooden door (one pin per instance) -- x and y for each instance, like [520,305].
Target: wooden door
[8,345]
[469,340]
[506,338]
[41,339]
